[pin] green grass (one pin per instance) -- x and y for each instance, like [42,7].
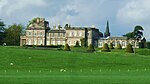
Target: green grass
[114,66]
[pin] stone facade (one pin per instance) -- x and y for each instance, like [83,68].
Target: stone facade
[115,40]
[39,33]
[35,33]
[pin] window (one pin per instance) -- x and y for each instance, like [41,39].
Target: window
[29,42]
[29,33]
[100,44]
[41,42]
[47,34]
[80,33]
[123,43]
[35,33]
[48,42]
[52,34]
[58,34]
[53,42]
[63,34]
[70,34]
[41,33]
[58,42]
[75,34]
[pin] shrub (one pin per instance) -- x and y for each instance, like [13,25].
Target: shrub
[25,46]
[129,48]
[77,44]
[67,47]
[90,48]
[111,46]
[34,46]
[105,48]
[148,45]
[119,46]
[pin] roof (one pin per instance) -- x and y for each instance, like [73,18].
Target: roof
[79,28]
[114,38]
[57,31]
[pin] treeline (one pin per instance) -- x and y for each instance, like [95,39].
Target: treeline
[10,35]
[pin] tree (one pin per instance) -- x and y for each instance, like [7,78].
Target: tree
[2,34]
[119,46]
[137,34]
[91,48]
[82,42]
[67,48]
[34,20]
[111,46]
[13,34]
[105,48]
[129,48]
[77,44]
[2,26]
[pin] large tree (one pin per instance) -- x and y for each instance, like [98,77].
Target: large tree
[136,35]
[13,34]
[2,29]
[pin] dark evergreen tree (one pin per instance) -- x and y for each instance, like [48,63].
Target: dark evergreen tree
[2,34]
[111,46]
[77,44]
[119,46]
[105,48]
[67,48]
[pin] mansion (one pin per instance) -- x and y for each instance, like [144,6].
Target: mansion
[38,32]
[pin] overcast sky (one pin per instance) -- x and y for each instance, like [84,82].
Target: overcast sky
[123,15]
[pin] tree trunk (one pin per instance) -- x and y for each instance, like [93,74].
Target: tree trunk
[134,46]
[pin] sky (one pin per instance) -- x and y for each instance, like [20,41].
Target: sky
[123,15]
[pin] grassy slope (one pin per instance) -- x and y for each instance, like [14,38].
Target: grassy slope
[46,60]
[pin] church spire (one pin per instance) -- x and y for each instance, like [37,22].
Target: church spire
[107,33]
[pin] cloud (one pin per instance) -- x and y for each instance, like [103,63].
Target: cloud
[79,12]
[17,5]
[136,12]
[2,4]
[122,14]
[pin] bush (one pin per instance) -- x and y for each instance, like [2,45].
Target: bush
[34,46]
[119,46]
[111,46]
[67,47]
[25,46]
[129,48]
[90,48]
[148,45]
[105,48]
[77,44]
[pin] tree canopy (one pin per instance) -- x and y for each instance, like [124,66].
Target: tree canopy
[2,26]
[13,34]
[2,34]
[136,34]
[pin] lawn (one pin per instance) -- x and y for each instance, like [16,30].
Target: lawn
[33,66]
